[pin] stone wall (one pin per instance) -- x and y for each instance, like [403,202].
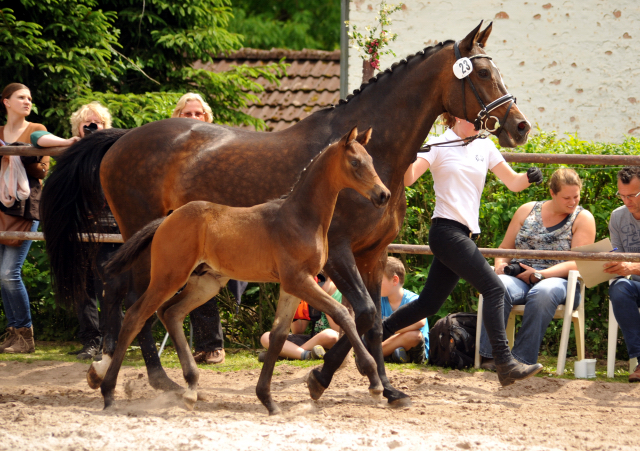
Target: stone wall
[573,65]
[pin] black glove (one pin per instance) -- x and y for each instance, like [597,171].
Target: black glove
[534,175]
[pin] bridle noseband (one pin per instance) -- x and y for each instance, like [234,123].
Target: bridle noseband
[480,122]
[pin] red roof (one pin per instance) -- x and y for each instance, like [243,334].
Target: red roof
[312,83]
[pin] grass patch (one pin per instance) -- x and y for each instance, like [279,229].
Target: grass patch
[242,359]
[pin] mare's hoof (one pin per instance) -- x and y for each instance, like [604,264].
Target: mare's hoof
[315,387]
[160,381]
[400,403]
[108,402]
[93,379]
[190,397]
[274,410]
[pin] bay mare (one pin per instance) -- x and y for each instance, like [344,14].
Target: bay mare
[201,245]
[156,168]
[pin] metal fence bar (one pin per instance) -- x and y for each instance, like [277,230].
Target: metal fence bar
[516,253]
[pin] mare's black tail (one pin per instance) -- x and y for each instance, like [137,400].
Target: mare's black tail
[71,203]
[126,255]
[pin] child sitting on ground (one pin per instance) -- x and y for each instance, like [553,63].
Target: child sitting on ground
[301,346]
[410,344]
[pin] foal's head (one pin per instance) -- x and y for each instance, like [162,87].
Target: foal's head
[356,168]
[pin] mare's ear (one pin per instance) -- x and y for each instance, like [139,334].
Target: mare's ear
[364,137]
[472,38]
[349,137]
[484,35]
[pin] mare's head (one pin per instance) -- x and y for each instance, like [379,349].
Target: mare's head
[356,168]
[476,91]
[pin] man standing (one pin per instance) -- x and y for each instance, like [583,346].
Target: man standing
[624,228]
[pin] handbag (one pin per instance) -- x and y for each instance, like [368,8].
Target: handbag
[10,223]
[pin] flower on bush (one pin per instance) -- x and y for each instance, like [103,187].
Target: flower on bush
[371,44]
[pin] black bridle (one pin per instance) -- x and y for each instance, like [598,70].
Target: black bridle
[480,122]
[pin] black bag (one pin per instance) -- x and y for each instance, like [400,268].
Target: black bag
[452,341]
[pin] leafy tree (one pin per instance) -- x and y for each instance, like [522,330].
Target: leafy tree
[136,56]
[289,24]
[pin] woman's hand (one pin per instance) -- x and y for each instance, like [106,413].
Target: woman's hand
[525,275]
[73,140]
[499,268]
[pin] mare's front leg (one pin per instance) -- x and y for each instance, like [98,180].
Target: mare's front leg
[287,305]
[199,290]
[318,299]
[364,297]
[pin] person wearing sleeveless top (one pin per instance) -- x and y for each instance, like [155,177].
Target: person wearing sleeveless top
[556,225]
[16,103]
[459,172]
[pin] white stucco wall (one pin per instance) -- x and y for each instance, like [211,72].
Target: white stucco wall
[573,65]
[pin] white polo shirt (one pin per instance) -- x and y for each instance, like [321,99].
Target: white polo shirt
[459,174]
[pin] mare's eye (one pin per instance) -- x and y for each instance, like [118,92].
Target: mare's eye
[483,73]
[355,163]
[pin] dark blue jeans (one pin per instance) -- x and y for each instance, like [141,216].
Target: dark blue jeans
[457,256]
[625,300]
[14,294]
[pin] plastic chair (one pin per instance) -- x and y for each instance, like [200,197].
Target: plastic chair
[612,342]
[565,312]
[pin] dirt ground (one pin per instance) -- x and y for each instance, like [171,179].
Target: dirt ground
[48,406]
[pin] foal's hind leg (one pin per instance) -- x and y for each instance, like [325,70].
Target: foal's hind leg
[287,305]
[199,290]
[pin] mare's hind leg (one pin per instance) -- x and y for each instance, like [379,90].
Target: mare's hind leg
[317,298]
[199,290]
[287,305]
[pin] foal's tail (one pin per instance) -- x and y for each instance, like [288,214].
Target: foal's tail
[71,202]
[132,248]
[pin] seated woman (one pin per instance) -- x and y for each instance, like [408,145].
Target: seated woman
[301,346]
[557,224]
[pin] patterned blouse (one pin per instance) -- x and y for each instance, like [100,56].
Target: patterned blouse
[533,235]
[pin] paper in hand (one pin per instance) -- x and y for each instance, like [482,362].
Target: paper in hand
[592,272]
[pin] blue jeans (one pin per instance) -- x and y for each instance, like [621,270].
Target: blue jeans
[541,301]
[14,294]
[625,300]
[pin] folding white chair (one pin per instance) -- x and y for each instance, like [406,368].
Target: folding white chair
[565,312]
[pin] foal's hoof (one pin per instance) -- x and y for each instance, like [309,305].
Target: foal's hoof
[315,387]
[108,402]
[274,410]
[190,397]
[93,378]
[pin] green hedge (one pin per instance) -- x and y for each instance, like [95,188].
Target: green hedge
[244,325]
[498,206]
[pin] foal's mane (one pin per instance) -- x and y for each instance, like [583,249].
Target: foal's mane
[424,54]
[303,174]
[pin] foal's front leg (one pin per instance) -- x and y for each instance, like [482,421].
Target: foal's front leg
[320,300]
[287,305]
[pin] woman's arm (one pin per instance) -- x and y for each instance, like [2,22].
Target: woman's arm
[509,240]
[415,170]
[415,326]
[514,181]
[55,141]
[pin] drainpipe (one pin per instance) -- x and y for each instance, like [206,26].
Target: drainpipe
[344,49]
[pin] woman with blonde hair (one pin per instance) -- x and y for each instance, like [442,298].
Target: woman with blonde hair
[193,106]
[557,224]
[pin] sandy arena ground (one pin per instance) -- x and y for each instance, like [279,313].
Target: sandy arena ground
[48,406]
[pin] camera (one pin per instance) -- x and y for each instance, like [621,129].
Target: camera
[88,129]
[513,269]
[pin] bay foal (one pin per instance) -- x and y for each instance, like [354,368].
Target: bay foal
[201,245]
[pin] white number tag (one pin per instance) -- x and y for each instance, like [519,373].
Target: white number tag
[462,67]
